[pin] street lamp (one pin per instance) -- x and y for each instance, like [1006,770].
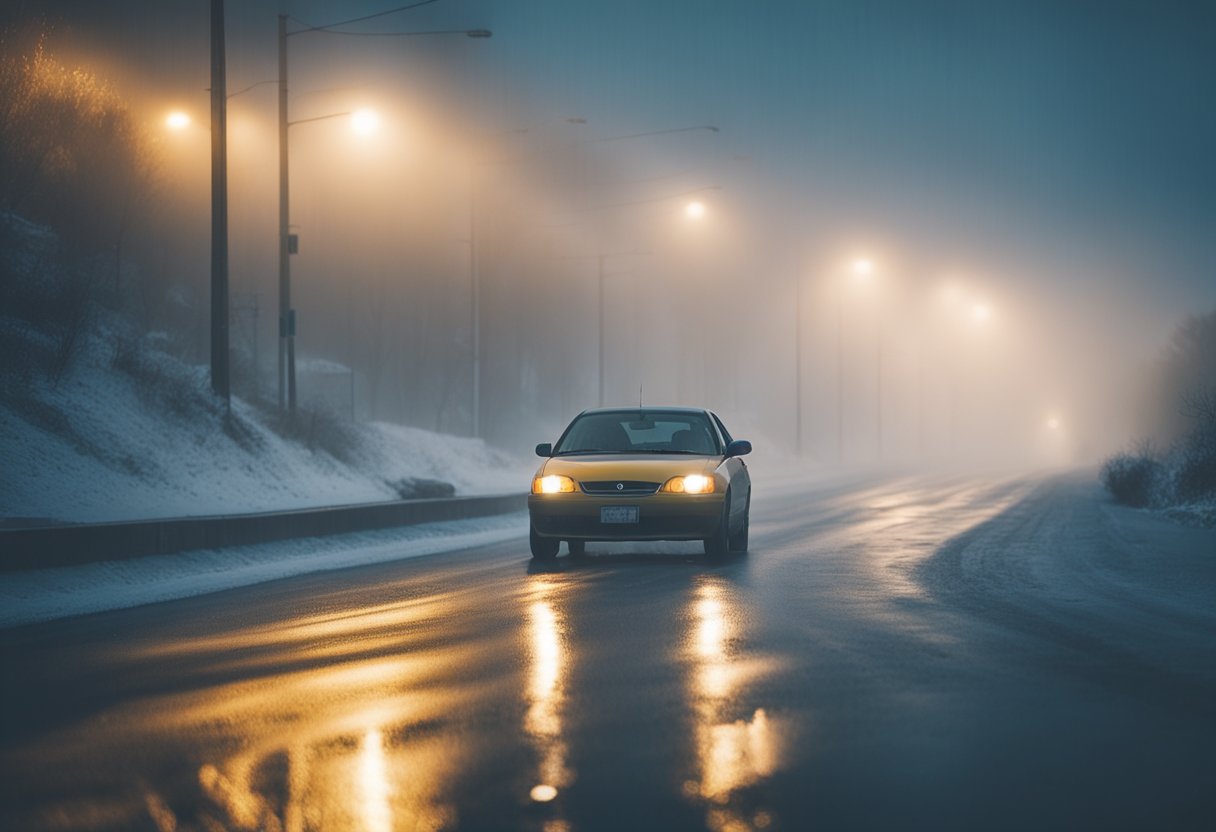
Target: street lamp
[177,120]
[979,315]
[364,123]
[475,279]
[862,269]
[693,211]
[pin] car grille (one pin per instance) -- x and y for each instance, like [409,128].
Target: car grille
[623,488]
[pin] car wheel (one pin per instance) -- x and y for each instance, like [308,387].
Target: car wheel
[543,548]
[738,540]
[717,545]
[578,548]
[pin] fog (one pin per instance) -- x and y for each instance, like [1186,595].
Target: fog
[947,235]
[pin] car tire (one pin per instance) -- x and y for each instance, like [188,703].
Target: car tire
[717,545]
[543,548]
[738,540]
[577,548]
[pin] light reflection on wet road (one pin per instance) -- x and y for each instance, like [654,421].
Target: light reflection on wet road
[847,673]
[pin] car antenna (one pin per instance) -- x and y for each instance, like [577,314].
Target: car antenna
[639,394]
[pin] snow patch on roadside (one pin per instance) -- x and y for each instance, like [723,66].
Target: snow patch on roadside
[46,594]
[104,445]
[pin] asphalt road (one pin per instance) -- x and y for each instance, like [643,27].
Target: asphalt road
[919,653]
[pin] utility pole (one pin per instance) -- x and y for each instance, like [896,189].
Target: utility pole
[287,364]
[600,260]
[288,244]
[219,209]
[475,310]
[798,364]
[839,375]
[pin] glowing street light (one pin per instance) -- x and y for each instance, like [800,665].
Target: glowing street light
[981,313]
[177,120]
[475,275]
[694,211]
[863,269]
[365,122]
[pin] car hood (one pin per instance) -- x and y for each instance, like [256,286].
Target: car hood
[645,467]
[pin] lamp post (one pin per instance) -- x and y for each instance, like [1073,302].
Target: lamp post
[475,283]
[798,365]
[287,324]
[601,274]
[861,268]
[220,380]
[694,211]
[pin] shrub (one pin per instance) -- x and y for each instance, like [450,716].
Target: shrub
[1132,478]
[320,430]
[1195,478]
[71,154]
[420,488]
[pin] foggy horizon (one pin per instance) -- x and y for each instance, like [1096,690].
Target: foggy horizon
[1047,164]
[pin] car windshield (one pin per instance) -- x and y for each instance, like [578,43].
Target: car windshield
[640,432]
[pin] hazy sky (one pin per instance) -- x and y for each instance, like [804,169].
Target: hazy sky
[1058,153]
[1064,139]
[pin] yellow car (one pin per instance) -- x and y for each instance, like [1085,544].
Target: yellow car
[641,474]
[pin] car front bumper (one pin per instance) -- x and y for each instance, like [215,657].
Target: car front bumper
[661,516]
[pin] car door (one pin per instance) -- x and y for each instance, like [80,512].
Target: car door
[737,473]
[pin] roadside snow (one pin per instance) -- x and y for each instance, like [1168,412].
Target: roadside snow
[108,443]
[45,594]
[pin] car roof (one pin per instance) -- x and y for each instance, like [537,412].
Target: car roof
[646,409]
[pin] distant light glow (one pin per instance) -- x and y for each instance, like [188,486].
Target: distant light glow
[365,122]
[1053,423]
[694,210]
[177,120]
[863,266]
[981,313]
[543,793]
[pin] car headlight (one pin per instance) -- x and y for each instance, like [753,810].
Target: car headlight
[553,484]
[691,484]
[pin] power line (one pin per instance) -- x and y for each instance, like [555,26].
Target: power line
[360,20]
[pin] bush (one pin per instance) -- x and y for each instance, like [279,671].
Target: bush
[1195,478]
[320,430]
[1132,479]
[421,488]
[71,154]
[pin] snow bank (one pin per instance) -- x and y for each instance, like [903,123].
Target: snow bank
[99,421]
[105,445]
[45,594]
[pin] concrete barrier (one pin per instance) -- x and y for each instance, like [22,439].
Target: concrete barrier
[39,548]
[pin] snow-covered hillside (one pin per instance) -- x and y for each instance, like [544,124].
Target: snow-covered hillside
[125,430]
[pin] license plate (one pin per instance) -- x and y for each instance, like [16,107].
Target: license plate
[619,514]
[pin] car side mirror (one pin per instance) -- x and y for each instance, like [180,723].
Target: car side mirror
[739,447]
[544,449]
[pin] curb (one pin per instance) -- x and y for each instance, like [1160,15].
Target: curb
[40,548]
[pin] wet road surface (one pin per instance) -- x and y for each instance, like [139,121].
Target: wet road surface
[920,653]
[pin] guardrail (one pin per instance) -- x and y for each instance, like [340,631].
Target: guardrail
[38,548]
